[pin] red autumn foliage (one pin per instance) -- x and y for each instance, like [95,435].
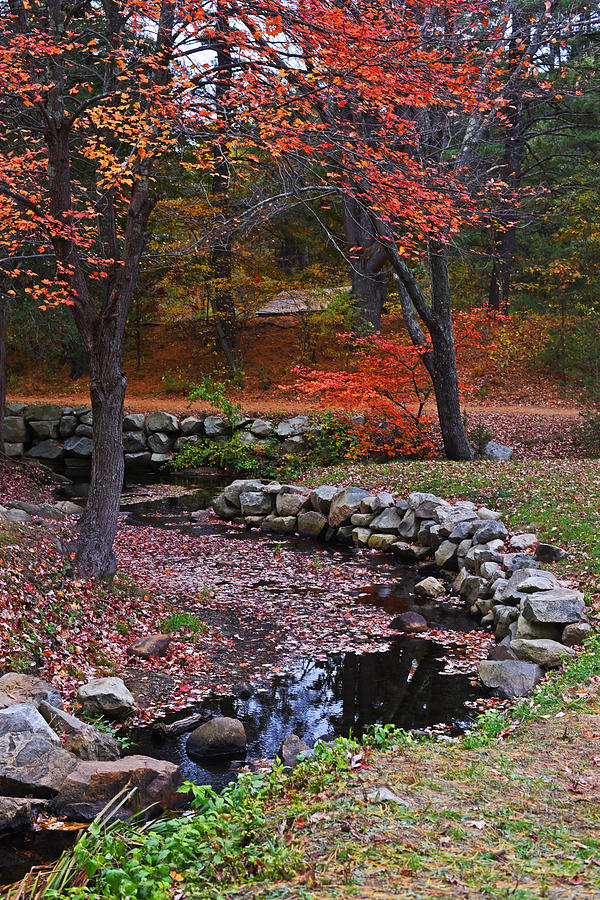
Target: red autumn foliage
[386,379]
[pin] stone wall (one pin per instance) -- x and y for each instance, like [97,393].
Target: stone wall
[536,617]
[53,433]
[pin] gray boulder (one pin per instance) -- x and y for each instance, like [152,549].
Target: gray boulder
[46,450]
[43,430]
[344,504]
[14,451]
[311,524]
[377,502]
[360,536]
[79,738]
[510,678]
[261,428]
[159,459]
[221,736]
[133,442]
[106,697]
[296,425]
[409,622]
[449,517]
[537,630]
[388,521]
[290,504]
[14,430]
[548,553]
[31,758]
[67,426]
[430,587]
[138,460]
[160,442]
[361,520]
[255,503]
[232,492]
[85,417]
[16,688]
[484,513]
[471,588]
[280,524]
[217,426]
[513,562]
[424,504]
[561,606]
[191,426]
[91,785]
[15,409]
[445,555]
[78,446]
[381,541]
[539,581]
[522,541]
[162,421]
[322,497]
[546,653]
[489,531]
[21,718]
[293,444]
[409,527]
[84,431]
[497,452]
[223,508]
[291,748]
[45,412]
[406,552]
[134,422]
[576,633]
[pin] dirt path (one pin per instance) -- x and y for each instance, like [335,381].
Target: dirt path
[261,405]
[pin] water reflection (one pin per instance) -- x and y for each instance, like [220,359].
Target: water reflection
[338,695]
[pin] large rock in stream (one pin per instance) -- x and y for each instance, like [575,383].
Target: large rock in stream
[221,736]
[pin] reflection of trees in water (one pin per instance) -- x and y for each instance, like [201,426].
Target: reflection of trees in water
[347,692]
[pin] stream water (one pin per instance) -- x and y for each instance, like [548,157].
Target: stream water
[318,698]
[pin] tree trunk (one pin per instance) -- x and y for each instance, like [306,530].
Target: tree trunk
[369,283]
[222,254]
[94,556]
[443,372]
[447,398]
[2,371]
[370,292]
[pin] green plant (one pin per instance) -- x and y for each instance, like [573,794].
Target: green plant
[586,432]
[103,725]
[334,440]
[184,621]
[214,392]
[479,435]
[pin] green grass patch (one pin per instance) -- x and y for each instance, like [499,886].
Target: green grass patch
[183,622]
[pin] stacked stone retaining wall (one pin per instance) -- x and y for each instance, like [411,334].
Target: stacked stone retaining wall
[53,433]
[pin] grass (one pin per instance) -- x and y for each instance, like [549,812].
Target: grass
[183,621]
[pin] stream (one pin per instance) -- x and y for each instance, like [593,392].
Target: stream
[406,683]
